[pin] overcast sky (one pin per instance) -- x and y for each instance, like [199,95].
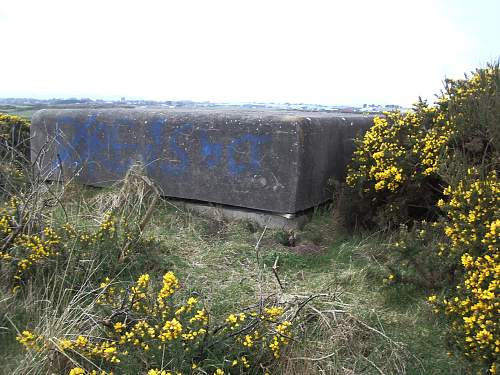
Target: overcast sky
[324,52]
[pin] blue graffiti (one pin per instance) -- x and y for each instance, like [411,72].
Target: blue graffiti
[211,152]
[152,149]
[67,150]
[254,141]
[180,153]
[181,156]
[121,154]
[99,145]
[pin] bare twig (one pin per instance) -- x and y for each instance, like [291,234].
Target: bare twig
[275,271]
[260,271]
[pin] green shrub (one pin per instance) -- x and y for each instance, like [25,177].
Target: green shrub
[411,257]
[440,163]
[14,135]
[473,107]
[473,230]
[404,161]
[143,328]
[394,166]
[14,153]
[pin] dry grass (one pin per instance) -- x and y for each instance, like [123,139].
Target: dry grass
[349,324]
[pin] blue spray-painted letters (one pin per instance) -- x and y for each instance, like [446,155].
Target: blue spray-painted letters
[254,141]
[154,150]
[113,147]
[211,152]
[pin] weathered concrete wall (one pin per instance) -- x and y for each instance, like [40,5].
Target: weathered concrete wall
[276,161]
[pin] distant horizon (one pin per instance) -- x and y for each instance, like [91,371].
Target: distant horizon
[118,99]
[321,52]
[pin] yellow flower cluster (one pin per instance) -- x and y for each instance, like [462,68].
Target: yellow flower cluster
[4,117]
[234,320]
[170,285]
[242,360]
[473,209]
[81,371]
[107,226]
[14,132]
[400,147]
[5,230]
[200,316]
[479,88]
[106,350]
[155,371]
[124,335]
[378,155]
[193,334]
[170,330]
[29,340]
[141,322]
[432,144]
[25,250]
[108,294]
[273,313]
[146,335]
[192,301]
[138,293]
[283,335]
[253,338]
[106,230]
[36,248]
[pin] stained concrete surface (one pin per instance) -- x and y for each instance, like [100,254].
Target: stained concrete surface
[278,161]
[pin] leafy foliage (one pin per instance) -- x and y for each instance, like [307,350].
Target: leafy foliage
[473,229]
[143,328]
[440,163]
[14,134]
[14,152]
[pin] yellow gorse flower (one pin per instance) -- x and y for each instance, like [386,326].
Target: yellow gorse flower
[473,210]
[154,328]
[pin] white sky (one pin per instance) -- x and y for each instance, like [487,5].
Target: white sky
[329,52]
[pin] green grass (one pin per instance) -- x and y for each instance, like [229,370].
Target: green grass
[380,328]
[225,269]
[25,111]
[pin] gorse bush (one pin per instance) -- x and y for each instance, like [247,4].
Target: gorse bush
[411,256]
[439,163]
[26,248]
[473,210]
[14,134]
[25,241]
[394,166]
[114,327]
[32,239]
[473,107]
[142,328]
[404,161]
[14,152]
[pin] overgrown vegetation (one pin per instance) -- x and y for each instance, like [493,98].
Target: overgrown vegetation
[118,280]
[76,309]
[14,151]
[433,172]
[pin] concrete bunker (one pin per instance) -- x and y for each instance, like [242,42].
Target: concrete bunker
[274,161]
